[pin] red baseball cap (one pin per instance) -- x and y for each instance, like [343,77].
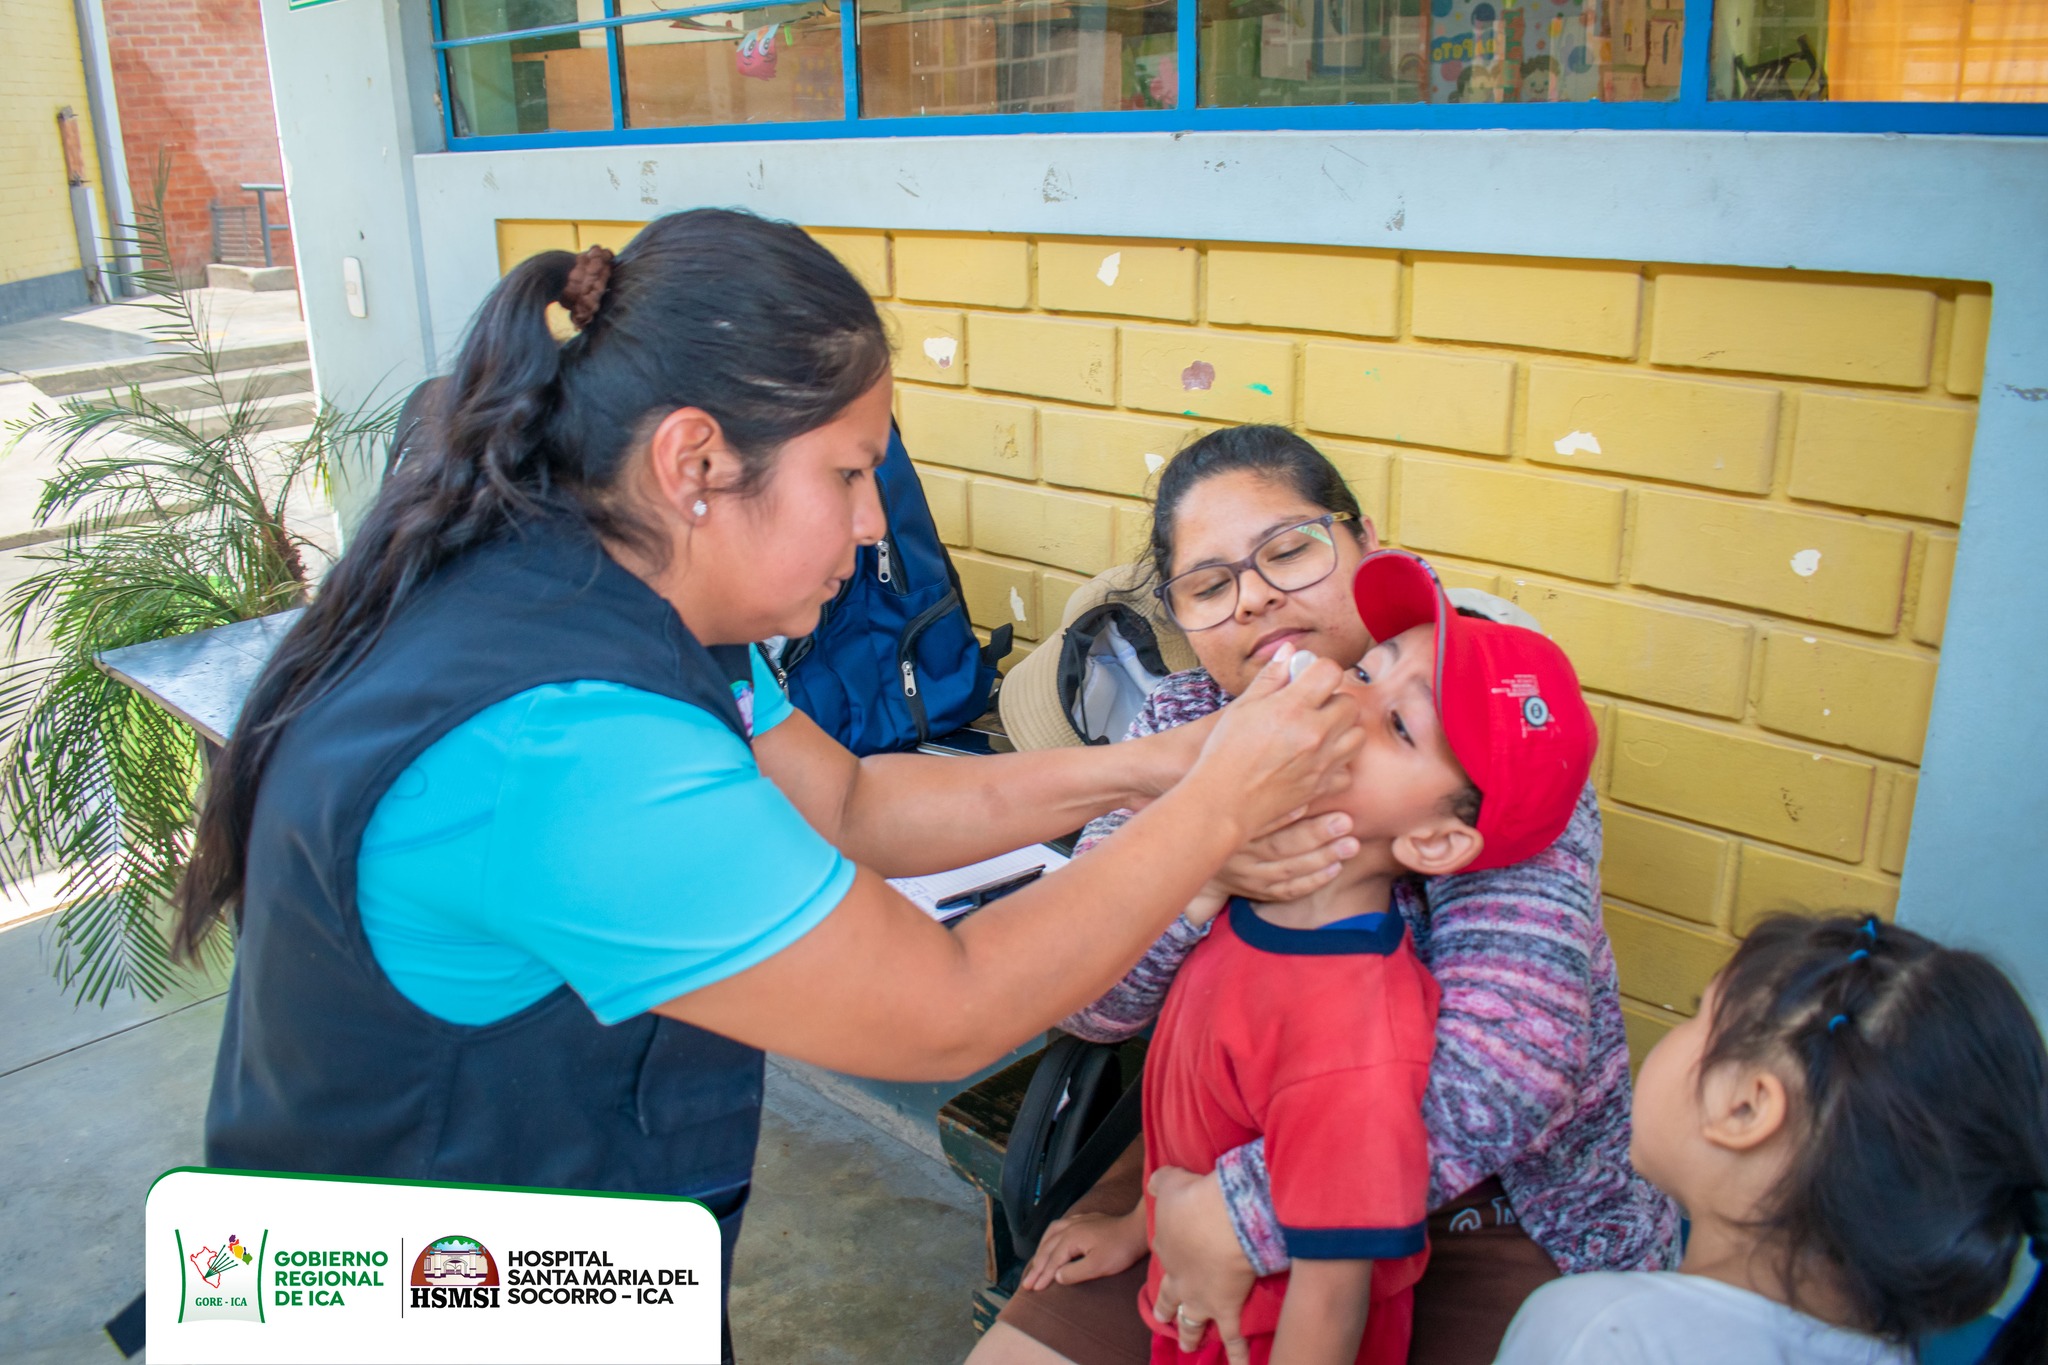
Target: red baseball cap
[1509,701]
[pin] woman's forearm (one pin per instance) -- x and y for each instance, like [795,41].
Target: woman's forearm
[909,814]
[1126,1008]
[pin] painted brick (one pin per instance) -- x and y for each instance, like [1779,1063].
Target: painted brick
[1310,291]
[1937,572]
[1664,866]
[1641,649]
[1603,725]
[931,343]
[866,254]
[1126,278]
[1561,307]
[1414,397]
[1047,358]
[1898,823]
[1110,453]
[946,493]
[1054,588]
[1645,1027]
[1369,471]
[999,594]
[990,435]
[1534,521]
[1060,529]
[1689,431]
[1248,379]
[1020,650]
[518,239]
[1133,543]
[992,271]
[1875,700]
[612,235]
[1768,882]
[1661,963]
[1753,555]
[1909,458]
[1458,576]
[1968,333]
[1789,795]
[1864,334]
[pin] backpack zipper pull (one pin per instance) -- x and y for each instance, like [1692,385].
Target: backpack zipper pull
[885,567]
[909,679]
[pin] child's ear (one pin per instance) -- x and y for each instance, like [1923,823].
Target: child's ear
[1438,848]
[1743,1106]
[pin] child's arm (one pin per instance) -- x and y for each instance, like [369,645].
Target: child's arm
[1087,1246]
[1322,1319]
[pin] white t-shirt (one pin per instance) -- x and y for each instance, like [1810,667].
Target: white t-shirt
[1666,1318]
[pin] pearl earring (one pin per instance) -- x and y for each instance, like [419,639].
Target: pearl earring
[700,508]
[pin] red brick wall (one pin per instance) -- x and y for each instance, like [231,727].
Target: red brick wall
[191,78]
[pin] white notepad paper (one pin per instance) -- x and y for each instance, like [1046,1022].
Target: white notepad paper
[927,891]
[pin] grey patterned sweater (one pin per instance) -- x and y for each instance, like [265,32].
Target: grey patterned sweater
[1530,1079]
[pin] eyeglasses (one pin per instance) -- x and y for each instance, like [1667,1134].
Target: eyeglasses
[1299,557]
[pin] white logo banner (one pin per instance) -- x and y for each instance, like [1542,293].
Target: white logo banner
[292,1268]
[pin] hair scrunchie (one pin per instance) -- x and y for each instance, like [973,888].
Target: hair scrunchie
[583,294]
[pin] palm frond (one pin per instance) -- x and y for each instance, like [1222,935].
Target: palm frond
[165,522]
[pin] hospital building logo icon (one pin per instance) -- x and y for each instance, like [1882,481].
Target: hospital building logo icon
[219,1277]
[454,1272]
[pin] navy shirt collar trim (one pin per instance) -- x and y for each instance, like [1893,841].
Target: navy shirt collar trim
[1268,937]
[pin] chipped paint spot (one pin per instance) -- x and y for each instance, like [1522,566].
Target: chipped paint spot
[1806,563]
[1057,187]
[1574,443]
[1016,604]
[2028,395]
[1807,639]
[941,350]
[1199,376]
[1826,711]
[1266,389]
[1112,265]
[1154,463]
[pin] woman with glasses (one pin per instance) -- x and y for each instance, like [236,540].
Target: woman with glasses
[1255,540]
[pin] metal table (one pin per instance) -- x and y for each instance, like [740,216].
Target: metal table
[204,677]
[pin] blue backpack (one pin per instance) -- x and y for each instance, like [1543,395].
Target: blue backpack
[894,661]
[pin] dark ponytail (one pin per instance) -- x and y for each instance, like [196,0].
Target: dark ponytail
[1922,1095]
[748,319]
[1270,451]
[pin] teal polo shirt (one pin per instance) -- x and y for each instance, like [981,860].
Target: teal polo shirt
[589,833]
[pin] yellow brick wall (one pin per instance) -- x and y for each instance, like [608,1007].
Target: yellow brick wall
[43,73]
[1731,495]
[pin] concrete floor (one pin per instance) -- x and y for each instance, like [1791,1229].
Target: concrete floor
[857,1248]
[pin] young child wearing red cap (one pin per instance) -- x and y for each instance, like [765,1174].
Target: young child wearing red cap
[1311,1023]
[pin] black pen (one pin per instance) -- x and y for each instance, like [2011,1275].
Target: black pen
[974,898]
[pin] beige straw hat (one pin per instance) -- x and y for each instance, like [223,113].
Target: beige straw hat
[1033,713]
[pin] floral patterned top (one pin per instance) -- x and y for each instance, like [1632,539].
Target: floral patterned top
[1530,1080]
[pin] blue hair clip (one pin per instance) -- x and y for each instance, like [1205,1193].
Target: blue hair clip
[1870,927]
[1859,954]
[1837,1022]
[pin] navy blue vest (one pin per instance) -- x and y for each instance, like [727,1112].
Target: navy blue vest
[324,1066]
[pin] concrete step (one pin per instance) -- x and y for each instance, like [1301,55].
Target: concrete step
[252,277]
[284,410]
[99,376]
[263,382]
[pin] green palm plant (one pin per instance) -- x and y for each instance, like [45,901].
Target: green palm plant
[174,519]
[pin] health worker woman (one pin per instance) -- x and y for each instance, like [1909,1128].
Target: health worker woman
[532,859]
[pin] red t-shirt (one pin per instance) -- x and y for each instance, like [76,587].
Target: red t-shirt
[1318,1040]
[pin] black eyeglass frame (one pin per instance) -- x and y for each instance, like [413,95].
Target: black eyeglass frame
[1251,561]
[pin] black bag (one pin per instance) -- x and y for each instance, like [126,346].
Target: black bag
[1076,1119]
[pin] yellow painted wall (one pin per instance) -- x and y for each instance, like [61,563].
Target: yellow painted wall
[43,73]
[1733,497]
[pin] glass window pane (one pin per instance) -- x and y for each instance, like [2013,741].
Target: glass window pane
[1925,50]
[560,83]
[481,18]
[1015,57]
[775,65]
[1263,53]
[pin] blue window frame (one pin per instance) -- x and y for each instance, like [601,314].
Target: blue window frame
[840,116]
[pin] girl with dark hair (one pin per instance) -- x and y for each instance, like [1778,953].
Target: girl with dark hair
[530,855]
[1857,1122]
[1255,540]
